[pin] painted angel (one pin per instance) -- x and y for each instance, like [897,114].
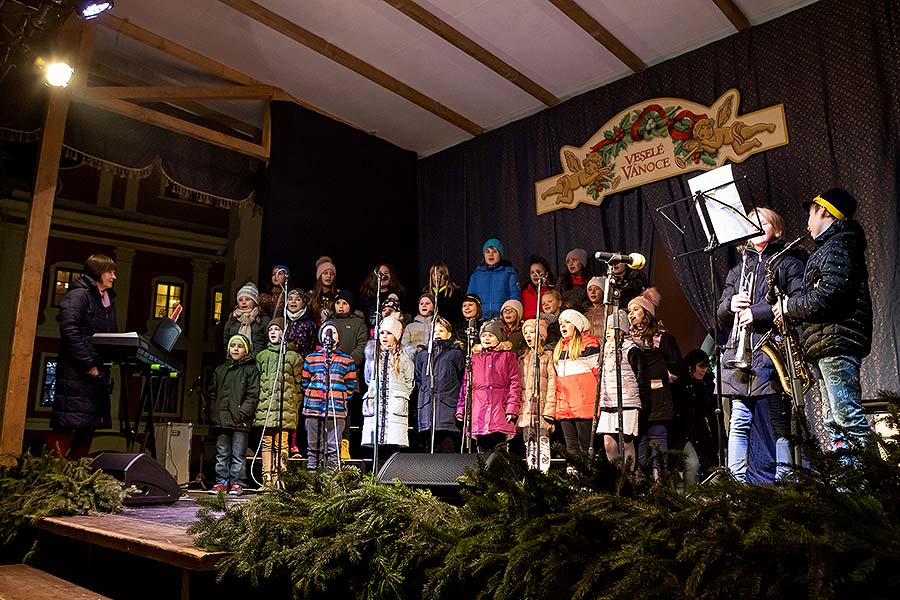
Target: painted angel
[711,135]
[580,176]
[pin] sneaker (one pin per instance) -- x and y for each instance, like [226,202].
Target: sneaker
[236,489]
[219,487]
[345,450]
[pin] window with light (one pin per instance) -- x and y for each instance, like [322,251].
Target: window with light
[63,279]
[167,297]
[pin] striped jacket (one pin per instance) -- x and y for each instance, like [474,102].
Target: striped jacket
[313,379]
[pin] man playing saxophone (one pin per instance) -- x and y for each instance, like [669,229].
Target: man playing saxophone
[748,376]
[835,310]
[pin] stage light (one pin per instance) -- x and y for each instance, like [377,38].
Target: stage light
[88,9]
[57,74]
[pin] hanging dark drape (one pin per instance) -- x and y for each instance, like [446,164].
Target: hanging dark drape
[836,68]
[332,189]
[105,140]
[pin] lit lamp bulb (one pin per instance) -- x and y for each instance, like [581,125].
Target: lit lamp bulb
[58,74]
[89,9]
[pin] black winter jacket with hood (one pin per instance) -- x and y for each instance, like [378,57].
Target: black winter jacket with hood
[834,305]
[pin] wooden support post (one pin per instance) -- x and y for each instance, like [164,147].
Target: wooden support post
[73,35]
[15,399]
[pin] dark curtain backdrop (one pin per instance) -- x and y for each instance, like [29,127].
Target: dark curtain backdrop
[334,190]
[835,65]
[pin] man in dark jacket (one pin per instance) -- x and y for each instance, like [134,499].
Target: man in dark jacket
[835,309]
[81,401]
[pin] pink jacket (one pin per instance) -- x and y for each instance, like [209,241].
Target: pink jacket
[496,392]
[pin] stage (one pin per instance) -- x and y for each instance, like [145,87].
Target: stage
[142,552]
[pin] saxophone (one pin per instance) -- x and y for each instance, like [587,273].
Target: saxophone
[782,344]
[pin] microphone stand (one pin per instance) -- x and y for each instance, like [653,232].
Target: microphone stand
[430,368]
[536,415]
[378,382]
[606,305]
[282,353]
[329,346]
[466,446]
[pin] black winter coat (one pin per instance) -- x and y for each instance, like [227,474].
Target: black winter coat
[834,306]
[694,417]
[234,394]
[761,377]
[661,356]
[449,363]
[82,401]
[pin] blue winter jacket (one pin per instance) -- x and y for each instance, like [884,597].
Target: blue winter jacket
[494,284]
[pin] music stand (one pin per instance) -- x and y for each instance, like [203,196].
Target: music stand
[717,201]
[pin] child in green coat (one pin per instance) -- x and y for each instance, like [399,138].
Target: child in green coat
[279,399]
[233,399]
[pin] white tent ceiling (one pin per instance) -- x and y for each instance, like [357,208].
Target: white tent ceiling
[533,36]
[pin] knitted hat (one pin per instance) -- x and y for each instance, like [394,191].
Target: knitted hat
[577,319]
[579,255]
[515,305]
[392,324]
[838,202]
[334,332]
[302,293]
[428,295]
[600,282]
[472,298]
[542,323]
[345,295]
[496,327]
[242,338]
[493,243]
[649,300]
[323,264]
[277,268]
[276,322]
[392,302]
[248,290]
[619,320]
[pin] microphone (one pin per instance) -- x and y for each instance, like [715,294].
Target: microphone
[379,275]
[633,260]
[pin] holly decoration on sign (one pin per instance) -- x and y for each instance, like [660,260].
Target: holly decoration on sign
[651,122]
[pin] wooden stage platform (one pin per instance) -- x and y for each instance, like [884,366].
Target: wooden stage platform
[143,553]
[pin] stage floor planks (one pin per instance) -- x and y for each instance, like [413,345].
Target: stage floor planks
[168,544]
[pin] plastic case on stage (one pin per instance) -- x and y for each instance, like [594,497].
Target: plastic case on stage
[173,449]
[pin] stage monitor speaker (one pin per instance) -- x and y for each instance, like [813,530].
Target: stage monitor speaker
[153,484]
[173,449]
[436,472]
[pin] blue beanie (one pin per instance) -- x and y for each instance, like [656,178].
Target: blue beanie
[495,243]
[282,268]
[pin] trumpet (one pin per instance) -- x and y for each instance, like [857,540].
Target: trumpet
[740,341]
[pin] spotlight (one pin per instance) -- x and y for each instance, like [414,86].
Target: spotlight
[88,9]
[57,74]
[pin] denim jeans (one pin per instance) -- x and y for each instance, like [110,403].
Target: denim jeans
[231,456]
[842,398]
[322,441]
[690,466]
[742,411]
[657,434]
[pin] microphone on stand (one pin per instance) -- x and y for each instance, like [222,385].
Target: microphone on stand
[633,260]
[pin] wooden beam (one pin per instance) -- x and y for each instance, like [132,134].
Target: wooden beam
[171,48]
[198,132]
[473,49]
[267,127]
[111,75]
[37,233]
[734,14]
[325,48]
[177,92]
[209,65]
[597,31]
